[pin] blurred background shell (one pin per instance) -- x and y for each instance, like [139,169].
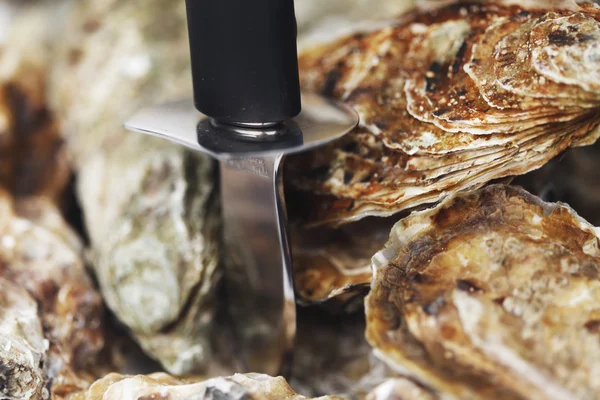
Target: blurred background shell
[159,385]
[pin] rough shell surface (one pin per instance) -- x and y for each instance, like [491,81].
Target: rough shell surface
[449,99]
[22,344]
[491,294]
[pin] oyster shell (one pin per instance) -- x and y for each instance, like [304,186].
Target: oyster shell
[449,99]
[44,284]
[446,105]
[163,386]
[336,263]
[320,21]
[491,294]
[150,207]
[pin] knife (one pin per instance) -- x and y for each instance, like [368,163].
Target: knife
[248,113]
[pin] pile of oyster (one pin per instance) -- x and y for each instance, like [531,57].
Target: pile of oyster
[422,270]
[449,99]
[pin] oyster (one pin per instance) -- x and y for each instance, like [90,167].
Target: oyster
[44,284]
[491,294]
[150,207]
[163,386]
[573,178]
[449,100]
[52,325]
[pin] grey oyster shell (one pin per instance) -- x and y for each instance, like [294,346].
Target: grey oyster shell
[44,284]
[149,206]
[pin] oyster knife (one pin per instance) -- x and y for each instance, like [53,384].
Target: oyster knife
[248,113]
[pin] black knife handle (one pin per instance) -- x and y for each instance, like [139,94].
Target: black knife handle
[244,59]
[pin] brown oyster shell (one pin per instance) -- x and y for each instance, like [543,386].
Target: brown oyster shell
[509,78]
[433,121]
[491,294]
[163,386]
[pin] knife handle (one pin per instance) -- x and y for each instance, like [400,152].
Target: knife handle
[244,60]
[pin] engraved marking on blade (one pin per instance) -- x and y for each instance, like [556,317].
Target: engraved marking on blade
[256,166]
